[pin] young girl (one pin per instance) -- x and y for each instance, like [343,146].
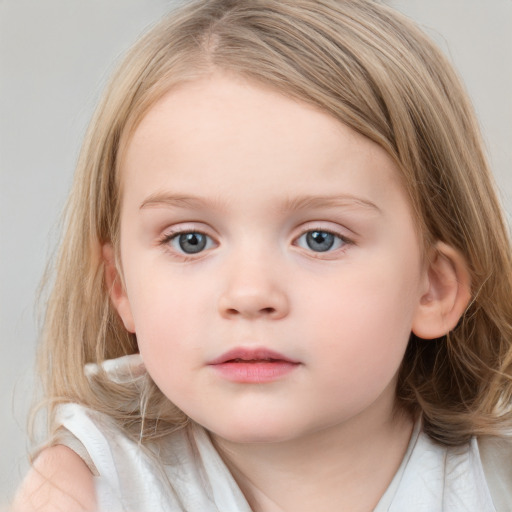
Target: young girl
[285,282]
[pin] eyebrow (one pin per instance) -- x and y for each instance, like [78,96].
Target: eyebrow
[180,201]
[328,201]
[290,204]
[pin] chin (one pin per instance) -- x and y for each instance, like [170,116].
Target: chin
[255,432]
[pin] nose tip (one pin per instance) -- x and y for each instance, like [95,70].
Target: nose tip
[252,304]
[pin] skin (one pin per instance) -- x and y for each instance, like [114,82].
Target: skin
[254,172]
[58,480]
[245,158]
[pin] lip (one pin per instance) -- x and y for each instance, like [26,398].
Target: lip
[253,365]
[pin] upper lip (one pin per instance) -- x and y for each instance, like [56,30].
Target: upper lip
[251,354]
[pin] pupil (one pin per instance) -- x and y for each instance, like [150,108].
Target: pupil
[320,241]
[192,242]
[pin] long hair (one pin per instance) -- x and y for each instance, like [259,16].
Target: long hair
[376,72]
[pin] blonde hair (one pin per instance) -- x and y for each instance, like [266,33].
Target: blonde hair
[371,69]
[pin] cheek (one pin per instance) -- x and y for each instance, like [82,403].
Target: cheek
[162,319]
[161,300]
[362,327]
[169,317]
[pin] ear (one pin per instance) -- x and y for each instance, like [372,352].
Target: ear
[447,296]
[116,288]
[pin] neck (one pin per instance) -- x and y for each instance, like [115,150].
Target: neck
[343,467]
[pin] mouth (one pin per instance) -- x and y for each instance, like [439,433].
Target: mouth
[248,355]
[257,365]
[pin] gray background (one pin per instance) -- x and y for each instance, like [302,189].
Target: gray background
[55,56]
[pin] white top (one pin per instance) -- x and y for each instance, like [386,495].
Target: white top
[431,478]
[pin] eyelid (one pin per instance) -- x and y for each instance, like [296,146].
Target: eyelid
[321,226]
[172,232]
[344,239]
[328,227]
[188,227]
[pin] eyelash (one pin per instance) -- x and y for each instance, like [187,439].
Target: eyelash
[169,237]
[343,240]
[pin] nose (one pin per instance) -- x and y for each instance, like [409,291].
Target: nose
[252,291]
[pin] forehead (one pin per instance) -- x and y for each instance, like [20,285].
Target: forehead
[221,131]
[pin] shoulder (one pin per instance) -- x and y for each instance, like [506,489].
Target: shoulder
[496,457]
[58,480]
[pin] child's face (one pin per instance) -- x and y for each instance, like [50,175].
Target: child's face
[254,227]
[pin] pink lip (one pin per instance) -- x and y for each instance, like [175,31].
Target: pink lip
[253,365]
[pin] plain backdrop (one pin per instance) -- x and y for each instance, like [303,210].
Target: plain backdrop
[55,56]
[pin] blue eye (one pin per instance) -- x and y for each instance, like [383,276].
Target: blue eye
[320,241]
[191,242]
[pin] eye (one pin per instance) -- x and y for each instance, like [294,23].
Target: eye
[320,241]
[190,242]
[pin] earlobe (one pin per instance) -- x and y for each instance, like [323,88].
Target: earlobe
[447,296]
[116,288]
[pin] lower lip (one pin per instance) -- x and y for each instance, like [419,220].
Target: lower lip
[255,372]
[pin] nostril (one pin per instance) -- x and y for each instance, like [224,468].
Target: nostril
[252,304]
[264,311]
